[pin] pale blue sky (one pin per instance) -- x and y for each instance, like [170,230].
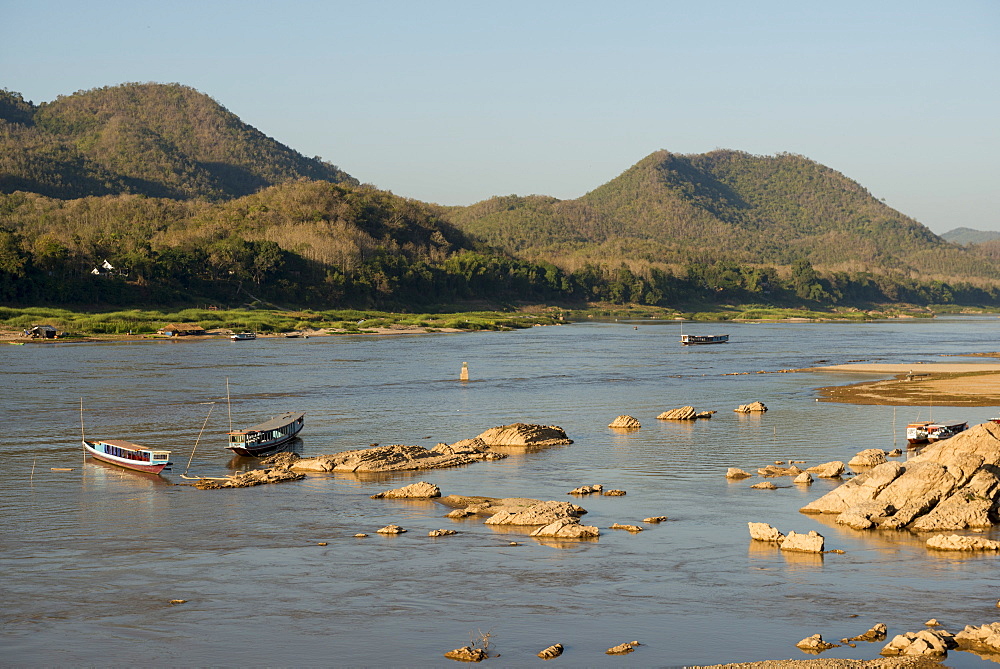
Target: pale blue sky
[453,102]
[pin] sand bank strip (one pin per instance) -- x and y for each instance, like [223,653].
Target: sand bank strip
[912,367]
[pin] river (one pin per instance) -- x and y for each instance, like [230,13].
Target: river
[92,557]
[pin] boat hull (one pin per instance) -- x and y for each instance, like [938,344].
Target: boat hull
[698,340]
[272,435]
[134,465]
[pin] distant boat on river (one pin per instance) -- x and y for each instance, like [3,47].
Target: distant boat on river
[243,336]
[689,340]
[927,431]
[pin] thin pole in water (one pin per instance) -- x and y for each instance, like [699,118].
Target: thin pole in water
[199,437]
[229,405]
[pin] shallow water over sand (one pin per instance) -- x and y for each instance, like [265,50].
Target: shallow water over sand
[92,557]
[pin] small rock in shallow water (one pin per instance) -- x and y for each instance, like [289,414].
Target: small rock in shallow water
[764,485]
[322,543]
[655,519]
[630,528]
[391,529]
[551,652]
[178,601]
[361,535]
[815,643]
[737,473]
[613,493]
[622,648]
[441,533]
[466,654]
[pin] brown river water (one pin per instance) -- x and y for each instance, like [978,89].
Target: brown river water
[92,557]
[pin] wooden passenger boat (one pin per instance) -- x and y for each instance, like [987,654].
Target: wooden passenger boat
[927,431]
[689,340]
[267,436]
[243,336]
[128,455]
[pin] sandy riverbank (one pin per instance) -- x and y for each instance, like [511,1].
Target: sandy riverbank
[961,384]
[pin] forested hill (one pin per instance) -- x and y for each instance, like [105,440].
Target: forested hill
[673,210]
[158,140]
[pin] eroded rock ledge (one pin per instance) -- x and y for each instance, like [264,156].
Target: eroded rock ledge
[952,485]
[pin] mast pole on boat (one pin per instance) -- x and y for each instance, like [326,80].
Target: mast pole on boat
[229,405]
[198,439]
[83,435]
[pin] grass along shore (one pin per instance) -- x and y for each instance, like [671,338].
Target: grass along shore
[139,322]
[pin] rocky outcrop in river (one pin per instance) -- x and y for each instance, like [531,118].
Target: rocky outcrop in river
[525,435]
[952,485]
[625,423]
[248,479]
[395,458]
[684,413]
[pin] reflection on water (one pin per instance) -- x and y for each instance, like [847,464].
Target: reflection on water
[92,557]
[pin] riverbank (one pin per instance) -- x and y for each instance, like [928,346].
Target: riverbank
[959,384]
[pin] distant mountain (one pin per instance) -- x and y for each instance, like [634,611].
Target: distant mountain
[673,209]
[966,236]
[158,140]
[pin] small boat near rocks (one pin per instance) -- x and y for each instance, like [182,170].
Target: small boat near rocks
[128,455]
[922,432]
[267,436]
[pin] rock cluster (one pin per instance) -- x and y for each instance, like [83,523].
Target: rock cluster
[815,644]
[525,435]
[248,479]
[929,643]
[984,637]
[625,423]
[804,543]
[953,485]
[441,533]
[776,470]
[753,407]
[550,519]
[586,489]
[466,654]
[419,490]
[876,633]
[828,470]
[396,457]
[684,413]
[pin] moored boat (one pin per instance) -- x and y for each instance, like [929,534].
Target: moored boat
[267,436]
[243,336]
[128,455]
[688,340]
[922,432]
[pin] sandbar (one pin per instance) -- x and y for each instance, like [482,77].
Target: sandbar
[961,384]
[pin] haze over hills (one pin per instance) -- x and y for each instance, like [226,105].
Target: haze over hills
[967,236]
[672,209]
[158,140]
[172,187]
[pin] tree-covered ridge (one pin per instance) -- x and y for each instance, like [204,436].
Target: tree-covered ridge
[159,140]
[670,210]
